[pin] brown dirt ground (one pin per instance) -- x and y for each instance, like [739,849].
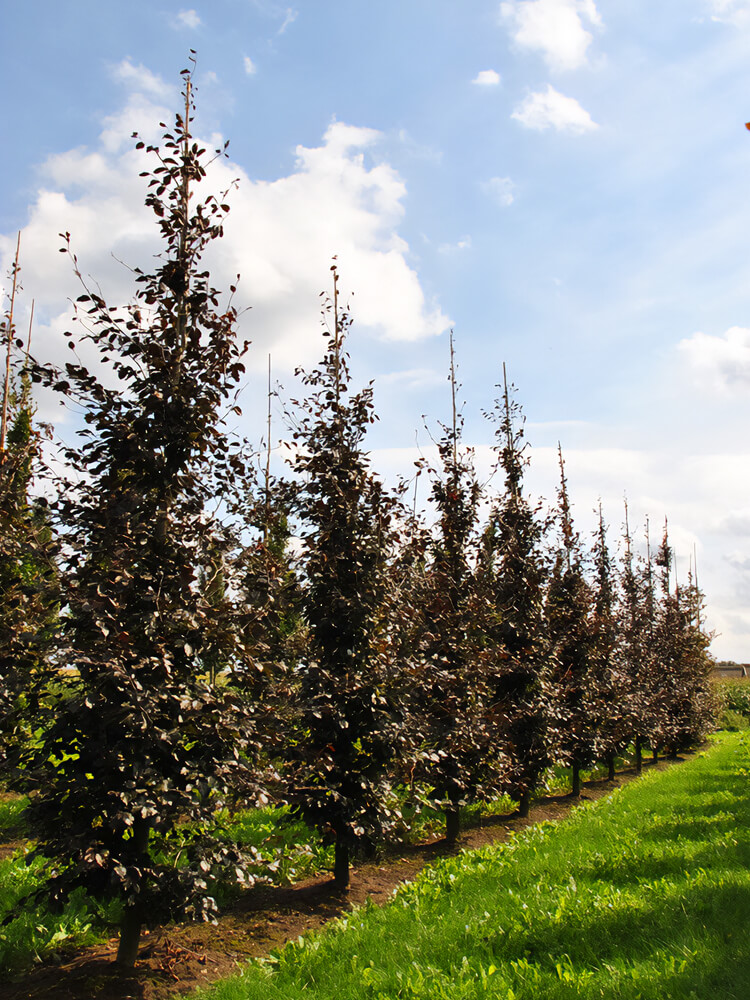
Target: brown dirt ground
[181,957]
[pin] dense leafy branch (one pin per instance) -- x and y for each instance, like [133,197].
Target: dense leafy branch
[135,746]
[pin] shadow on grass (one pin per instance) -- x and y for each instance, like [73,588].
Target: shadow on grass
[701,928]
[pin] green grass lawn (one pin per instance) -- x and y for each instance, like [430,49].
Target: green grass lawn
[642,896]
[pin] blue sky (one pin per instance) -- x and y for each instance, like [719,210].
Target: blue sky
[562,181]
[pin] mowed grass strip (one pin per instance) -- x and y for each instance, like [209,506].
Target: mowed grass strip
[644,895]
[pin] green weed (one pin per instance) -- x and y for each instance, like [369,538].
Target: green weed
[733,702]
[287,849]
[33,932]
[11,818]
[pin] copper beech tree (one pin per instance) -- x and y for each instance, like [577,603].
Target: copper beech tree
[345,729]
[450,722]
[572,661]
[515,571]
[686,703]
[28,571]
[135,746]
[612,733]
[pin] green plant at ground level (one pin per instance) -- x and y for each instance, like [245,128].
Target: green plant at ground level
[288,850]
[733,704]
[640,896]
[733,721]
[29,934]
[285,851]
[11,816]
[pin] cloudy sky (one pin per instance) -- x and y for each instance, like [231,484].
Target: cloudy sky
[563,182]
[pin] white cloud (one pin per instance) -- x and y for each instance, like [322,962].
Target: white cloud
[141,79]
[735,12]
[289,18]
[419,150]
[249,65]
[487,78]
[551,109]
[464,243]
[500,190]
[188,19]
[553,27]
[280,236]
[735,522]
[719,364]
[413,378]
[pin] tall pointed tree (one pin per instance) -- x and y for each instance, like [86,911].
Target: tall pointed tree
[265,577]
[515,571]
[132,736]
[28,572]
[451,693]
[686,712]
[635,628]
[347,730]
[568,612]
[609,679]
[652,677]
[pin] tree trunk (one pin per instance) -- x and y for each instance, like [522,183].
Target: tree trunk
[656,755]
[452,825]
[130,937]
[638,755]
[611,766]
[524,803]
[341,861]
[576,792]
[132,916]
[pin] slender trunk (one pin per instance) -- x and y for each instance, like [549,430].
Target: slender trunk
[6,385]
[576,792]
[130,937]
[656,755]
[611,767]
[452,825]
[267,511]
[182,293]
[638,755]
[341,861]
[132,916]
[524,803]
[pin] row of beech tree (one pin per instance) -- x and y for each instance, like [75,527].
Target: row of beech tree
[165,649]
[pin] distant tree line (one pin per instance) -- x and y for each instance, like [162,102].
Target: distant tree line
[180,630]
